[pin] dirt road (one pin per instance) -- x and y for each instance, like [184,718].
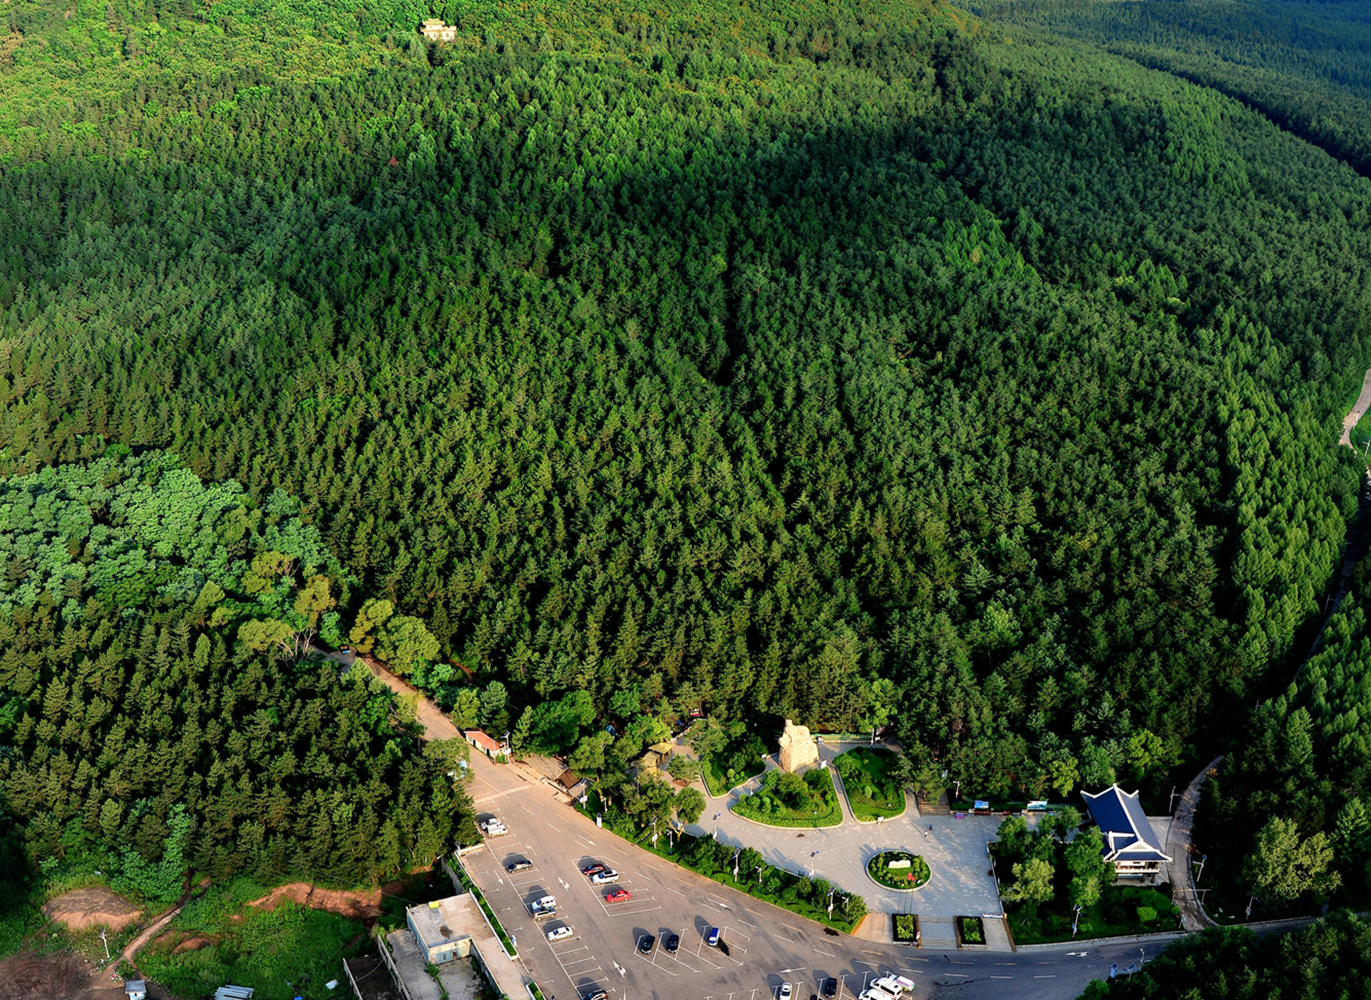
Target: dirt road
[436,725]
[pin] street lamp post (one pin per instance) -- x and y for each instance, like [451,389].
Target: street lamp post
[1075,922]
[812,856]
[1203,859]
[759,875]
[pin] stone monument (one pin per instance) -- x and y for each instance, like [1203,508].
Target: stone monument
[797,747]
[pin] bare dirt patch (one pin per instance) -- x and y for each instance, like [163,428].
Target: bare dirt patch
[97,906]
[355,904]
[193,943]
[36,977]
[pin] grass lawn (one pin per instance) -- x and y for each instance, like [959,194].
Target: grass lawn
[1117,913]
[227,942]
[871,790]
[787,800]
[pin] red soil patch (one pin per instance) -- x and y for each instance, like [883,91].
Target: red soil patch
[356,904]
[193,943]
[94,907]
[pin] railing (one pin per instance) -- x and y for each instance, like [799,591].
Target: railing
[390,964]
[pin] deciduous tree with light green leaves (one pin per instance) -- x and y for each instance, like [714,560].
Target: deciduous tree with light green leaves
[1282,866]
[1032,882]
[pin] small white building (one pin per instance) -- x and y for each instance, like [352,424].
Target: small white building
[136,989]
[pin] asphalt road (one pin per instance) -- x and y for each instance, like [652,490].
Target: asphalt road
[767,945]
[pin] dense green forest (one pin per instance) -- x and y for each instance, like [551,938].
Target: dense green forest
[154,721]
[852,362]
[1306,66]
[1330,959]
[1286,821]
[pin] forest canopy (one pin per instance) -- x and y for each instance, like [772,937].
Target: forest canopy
[843,362]
[146,734]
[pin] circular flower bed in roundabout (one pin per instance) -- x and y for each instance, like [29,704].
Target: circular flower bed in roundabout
[898,870]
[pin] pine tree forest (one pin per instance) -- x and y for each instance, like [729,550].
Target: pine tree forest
[978,371]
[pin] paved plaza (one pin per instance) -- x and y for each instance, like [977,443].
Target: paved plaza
[960,882]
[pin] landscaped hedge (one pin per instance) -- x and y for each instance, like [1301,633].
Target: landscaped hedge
[706,856]
[787,799]
[971,930]
[906,928]
[878,868]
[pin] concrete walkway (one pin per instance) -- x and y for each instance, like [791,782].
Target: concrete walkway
[960,882]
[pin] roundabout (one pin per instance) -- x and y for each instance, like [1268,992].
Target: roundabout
[903,871]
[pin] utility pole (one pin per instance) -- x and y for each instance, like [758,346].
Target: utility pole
[1203,858]
[1172,807]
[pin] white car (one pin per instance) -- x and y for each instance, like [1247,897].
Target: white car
[784,992]
[559,933]
[604,878]
[548,904]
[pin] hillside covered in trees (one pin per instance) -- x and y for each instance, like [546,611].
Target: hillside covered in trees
[847,361]
[154,721]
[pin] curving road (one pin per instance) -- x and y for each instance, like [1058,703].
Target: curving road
[1359,408]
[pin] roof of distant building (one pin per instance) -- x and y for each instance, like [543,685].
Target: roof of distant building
[443,920]
[484,741]
[1128,836]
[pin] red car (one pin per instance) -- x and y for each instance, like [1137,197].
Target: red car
[617,896]
[594,869]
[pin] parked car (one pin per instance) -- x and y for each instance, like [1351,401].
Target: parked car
[784,992]
[597,995]
[712,938]
[560,933]
[547,904]
[617,896]
[830,988]
[493,828]
[605,877]
[645,945]
[672,942]
[594,869]
[518,866]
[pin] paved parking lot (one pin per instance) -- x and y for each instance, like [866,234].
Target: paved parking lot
[767,945]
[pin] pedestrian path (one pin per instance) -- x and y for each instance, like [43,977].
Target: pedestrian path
[955,849]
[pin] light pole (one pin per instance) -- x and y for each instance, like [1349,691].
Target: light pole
[812,856]
[830,901]
[957,793]
[1203,858]
[735,863]
[1076,922]
[1172,807]
[759,875]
